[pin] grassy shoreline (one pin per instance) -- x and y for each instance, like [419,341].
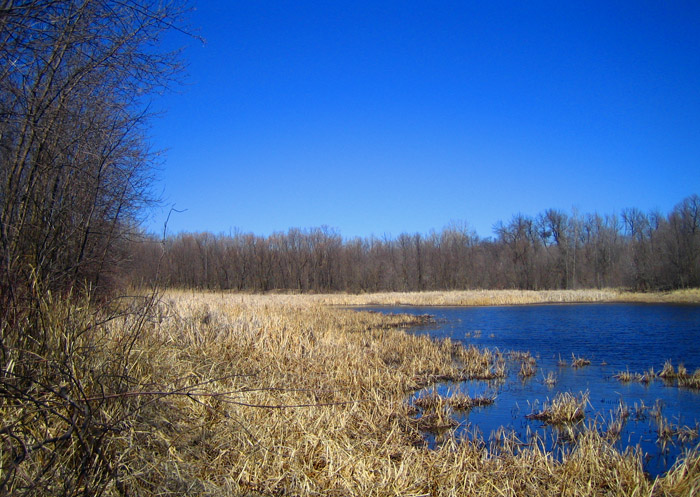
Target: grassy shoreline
[468,298]
[324,411]
[265,395]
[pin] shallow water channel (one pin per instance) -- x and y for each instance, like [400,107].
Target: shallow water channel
[614,337]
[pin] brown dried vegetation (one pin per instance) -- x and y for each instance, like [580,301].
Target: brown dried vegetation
[209,394]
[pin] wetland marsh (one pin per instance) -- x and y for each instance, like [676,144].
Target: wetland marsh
[609,353]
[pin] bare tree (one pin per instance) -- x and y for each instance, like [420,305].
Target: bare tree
[75,168]
[75,78]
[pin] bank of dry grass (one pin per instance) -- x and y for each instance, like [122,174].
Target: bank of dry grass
[685,296]
[498,297]
[472,297]
[280,395]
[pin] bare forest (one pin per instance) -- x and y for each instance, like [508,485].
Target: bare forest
[553,250]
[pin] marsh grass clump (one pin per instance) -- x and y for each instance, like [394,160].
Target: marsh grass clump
[627,377]
[550,380]
[617,422]
[456,401]
[690,381]
[681,377]
[479,364]
[528,369]
[436,418]
[528,364]
[579,362]
[565,408]
[668,372]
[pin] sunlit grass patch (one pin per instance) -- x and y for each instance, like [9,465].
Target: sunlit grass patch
[562,409]
[290,397]
[456,401]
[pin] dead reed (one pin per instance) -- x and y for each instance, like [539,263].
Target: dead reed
[564,408]
[550,380]
[527,369]
[682,377]
[457,401]
[579,362]
[627,377]
[471,297]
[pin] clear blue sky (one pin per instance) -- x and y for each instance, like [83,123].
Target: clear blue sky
[389,117]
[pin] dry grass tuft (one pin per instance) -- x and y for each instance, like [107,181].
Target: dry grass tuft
[565,408]
[579,362]
[690,381]
[458,402]
[668,372]
[627,377]
[528,368]
[550,380]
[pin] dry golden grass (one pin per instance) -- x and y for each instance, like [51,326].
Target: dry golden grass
[550,380]
[685,296]
[281,395]
[579,362]
[498,297]
[564,408]
[355,433]
[681,377]
[470,297]
[457,401]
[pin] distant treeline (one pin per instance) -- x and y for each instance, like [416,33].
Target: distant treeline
[553,250]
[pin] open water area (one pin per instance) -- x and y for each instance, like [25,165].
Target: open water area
[615,338]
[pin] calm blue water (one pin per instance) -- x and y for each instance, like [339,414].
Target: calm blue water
[614,337]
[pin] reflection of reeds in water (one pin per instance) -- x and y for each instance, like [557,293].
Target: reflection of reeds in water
[562,409]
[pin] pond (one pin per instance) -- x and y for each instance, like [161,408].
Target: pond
[615,338]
